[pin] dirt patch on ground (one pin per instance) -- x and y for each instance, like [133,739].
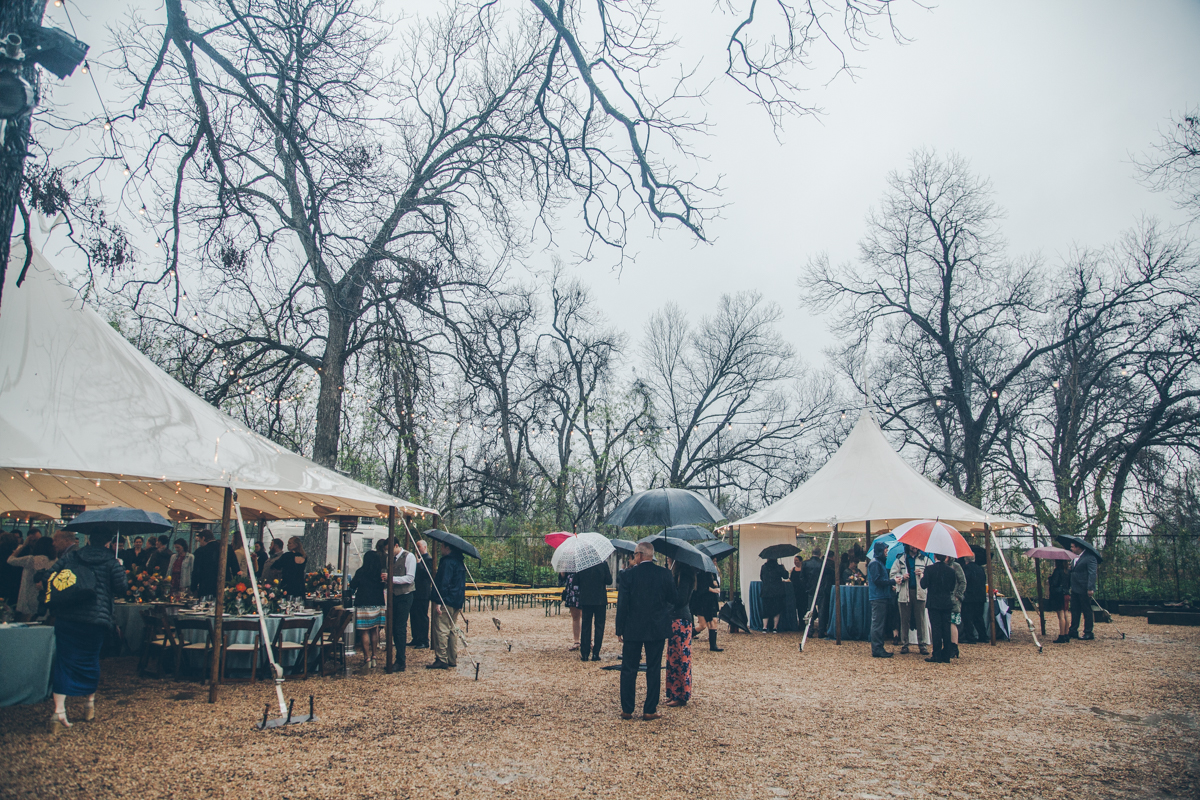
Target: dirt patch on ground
[1110,718]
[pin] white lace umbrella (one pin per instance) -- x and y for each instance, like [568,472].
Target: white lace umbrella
[580,552]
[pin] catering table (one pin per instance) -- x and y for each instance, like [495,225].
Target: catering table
[856,613]
[787,620]
[128,617]
[241,659]
[26,655]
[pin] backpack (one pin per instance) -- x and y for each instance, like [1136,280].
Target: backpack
[71,585]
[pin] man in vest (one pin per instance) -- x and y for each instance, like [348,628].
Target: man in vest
[403,574]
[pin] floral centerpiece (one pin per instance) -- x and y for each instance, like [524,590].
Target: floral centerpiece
[239,597]
[146,587]
[322,583]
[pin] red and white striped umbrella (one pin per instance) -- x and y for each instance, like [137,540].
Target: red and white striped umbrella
[933,537]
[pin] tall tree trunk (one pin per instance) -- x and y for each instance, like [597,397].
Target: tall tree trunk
[16,16]
[329,401]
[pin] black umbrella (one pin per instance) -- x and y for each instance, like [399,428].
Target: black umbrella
[682,552]
[716,550]
[689,533]
[454,540]
[624,546]
[1066,541]
[125,521]
[663,508]
[779,551]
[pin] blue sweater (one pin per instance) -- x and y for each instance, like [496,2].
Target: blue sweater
[879,583]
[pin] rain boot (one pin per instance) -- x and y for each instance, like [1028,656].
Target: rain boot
[712,642]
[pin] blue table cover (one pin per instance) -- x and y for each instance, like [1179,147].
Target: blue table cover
[26,656]
[787,621]
[856,613]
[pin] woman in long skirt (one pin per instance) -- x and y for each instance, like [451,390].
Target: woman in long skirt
[79,630]
[679,644]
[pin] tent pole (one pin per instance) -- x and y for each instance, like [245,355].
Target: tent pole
[987,535]
[219,602]
[816,593]
[837,586]
[391,567]
[1020,600]
[1037,565]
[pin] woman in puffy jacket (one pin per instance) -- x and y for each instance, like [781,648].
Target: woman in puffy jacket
[79,630]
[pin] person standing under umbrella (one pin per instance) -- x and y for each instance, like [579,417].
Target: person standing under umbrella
[909,567]
[974,630]
[1083,588]
[772,576]
[79,629]
[938,581]
[679,643]
[1060,591]
[704,601]
[451,585]
[645,602]
[879,593]
[960,589]
[570,599]
[592,584]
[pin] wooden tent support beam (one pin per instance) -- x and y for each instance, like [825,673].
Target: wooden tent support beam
[391,566]
[987,535]
[1037,566]
[214,681]
[837,587]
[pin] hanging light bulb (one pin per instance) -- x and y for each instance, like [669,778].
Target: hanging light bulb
[125,171]
[938,402]
[1124,370]
[107,125]
[142,210]
[84,69]
[995,393]
[843,414]
[1055,384]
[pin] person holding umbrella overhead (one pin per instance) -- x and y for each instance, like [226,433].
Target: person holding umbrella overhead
[1060,590]
[645,602]
[679,644]
[451,584]
[772,576]
[1083,585]
[879,593]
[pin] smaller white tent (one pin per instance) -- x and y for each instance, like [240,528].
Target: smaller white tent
[864,481]
[87,419]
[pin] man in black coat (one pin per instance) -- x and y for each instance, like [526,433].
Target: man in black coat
[810,572]
[207,559]
[593,585]
[939,581]
[645,601]
[423,588]
[974,629]
[160,557]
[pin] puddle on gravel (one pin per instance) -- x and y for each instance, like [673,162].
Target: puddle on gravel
[1186,720]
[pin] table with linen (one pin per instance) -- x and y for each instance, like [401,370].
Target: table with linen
[26,657]
[242,660]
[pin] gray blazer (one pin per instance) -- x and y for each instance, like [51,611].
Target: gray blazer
[1083,574]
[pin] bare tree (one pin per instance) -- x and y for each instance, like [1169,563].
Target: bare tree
[1174,165]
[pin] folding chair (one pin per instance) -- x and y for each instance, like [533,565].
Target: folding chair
[157,640]
[330,639]
[281,645]
[201,642]
[232,628]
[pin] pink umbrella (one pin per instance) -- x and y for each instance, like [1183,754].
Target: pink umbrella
[1052,553]
[555,539]
[933,537]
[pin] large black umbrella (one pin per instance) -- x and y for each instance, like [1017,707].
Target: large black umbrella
[125,521]
[454,540]
[663,508]
[716,550]
[1066,541]
[624,546]
[689,533]
[779,551]
[682,552]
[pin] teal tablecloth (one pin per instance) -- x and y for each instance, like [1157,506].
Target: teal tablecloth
[856,613]
[26,655]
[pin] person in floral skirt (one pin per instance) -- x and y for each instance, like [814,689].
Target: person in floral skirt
[679,644]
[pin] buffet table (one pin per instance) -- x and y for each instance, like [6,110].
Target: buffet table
[26,656]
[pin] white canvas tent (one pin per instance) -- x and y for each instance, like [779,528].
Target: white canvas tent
[87,419]
[865,480]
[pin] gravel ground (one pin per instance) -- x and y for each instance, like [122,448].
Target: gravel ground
[1109,718]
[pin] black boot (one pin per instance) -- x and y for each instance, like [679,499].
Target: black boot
[712,642]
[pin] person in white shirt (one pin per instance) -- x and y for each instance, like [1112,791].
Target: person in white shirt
[404,573]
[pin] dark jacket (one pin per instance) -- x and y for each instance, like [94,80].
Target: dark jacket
[645,603]
[293,573]
[772,576]
[365,589]
[938,582]
[110,583]
[451,580]
[204,569]
[423,583]
[1060,582]
[1083,574]
[879,582]
[10,577]
[593,585]
[159,561]
[976,591]
[809,571]
[683,596]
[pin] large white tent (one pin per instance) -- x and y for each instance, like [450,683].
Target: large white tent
[865,481]
[87,419]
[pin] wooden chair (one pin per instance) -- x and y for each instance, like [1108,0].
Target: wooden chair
[233,627]
[157,641]
[280,645]
[330,639]
[202,644]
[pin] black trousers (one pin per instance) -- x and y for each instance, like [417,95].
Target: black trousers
[1082,604]
[823,611]
[803,601]
[419,619]
[939,631]
[592,617]
[631,657]
[879,615]
[974,627]
[401,608]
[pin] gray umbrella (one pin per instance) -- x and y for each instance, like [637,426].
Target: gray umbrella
[624,546]
[454,540]
[682,552]
[1067,541]
[716,550]
[662,508]
[124,521]
[689,533]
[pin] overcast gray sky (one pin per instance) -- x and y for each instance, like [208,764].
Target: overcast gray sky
[1048,100]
